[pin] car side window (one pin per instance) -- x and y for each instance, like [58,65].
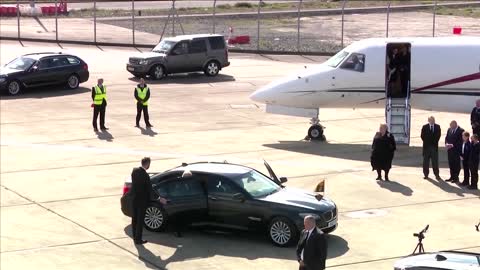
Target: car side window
[216,43]
[355,62]
[73,61]
[198,46]
[178,187]
[181,48]
[45,63]
[219,185]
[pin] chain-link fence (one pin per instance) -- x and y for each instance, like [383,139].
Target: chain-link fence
[288,26]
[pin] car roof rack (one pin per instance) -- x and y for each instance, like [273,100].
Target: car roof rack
[44,53]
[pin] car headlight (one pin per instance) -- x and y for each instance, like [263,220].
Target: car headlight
[2,79]
[303,215]
[143,62]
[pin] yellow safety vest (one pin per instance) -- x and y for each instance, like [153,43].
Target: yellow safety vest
[142,93]
[100,95]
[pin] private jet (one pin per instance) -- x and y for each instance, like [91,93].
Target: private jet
[440,74]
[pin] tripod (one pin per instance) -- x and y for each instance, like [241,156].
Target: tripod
[172,14]
[419,246]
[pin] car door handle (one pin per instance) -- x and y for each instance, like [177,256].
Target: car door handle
[213,198]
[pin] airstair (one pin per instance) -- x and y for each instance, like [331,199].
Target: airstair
[398,114]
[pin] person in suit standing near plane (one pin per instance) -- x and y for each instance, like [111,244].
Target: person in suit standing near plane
[474,160]
[464,157]
[430,135]
[312,246]
[475,118]
[453,143]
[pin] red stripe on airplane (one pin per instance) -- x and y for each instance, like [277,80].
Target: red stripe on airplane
[471,77]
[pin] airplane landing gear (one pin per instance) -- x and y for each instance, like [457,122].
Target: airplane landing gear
[315,132]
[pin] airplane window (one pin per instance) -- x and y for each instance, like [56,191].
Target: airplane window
[336,59]
[355,62]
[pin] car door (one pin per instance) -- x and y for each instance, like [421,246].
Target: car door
[186,197]
[63,69]
[227,203]
[197,54]
[177,60]
[39,73]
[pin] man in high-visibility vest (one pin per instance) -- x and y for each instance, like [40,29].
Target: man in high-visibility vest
[142,95]
[99,97]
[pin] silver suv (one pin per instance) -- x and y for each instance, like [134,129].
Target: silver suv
[189,53]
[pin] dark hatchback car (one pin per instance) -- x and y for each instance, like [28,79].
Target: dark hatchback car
[233,197]
[42,69]
[444,260]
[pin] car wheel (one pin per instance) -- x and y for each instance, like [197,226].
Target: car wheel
[155,218]
[282,232]
[14,88]
[157,72]
[73,81]
[212,68]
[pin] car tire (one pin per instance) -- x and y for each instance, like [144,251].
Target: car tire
[212,68]
[14,88]
[155,218]
[73,81]
[282,232]
[157,72]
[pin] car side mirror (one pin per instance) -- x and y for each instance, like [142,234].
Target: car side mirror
[238,197]
[283,180]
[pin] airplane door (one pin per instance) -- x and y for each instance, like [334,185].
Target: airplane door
[397,70]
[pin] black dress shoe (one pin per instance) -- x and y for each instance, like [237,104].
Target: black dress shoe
[379,178]
[464,183]
[137,126]
[104,128]
[449,180]
[386,179]
[95,129]
[141,242]
[149,126]
[438,178]
[425,177]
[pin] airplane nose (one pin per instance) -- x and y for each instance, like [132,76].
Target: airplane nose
[262,95]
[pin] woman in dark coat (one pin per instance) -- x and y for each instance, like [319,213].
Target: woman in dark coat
[383,148]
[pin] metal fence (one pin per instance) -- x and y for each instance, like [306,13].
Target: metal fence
[288,26]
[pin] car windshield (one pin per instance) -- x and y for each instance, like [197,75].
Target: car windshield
[336,59]
[21,63]
[256,184]
[164,46]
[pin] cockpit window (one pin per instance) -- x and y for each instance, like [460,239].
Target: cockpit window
[336,59]
[355,62]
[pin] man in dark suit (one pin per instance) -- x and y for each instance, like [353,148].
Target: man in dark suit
[430,135]
[453,143]
[312,246]
[464,157]
[475,118]
[474,161]
[142,194]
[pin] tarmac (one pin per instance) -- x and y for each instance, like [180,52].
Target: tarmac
[61,183]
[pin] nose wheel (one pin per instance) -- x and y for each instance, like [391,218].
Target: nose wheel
[315,132]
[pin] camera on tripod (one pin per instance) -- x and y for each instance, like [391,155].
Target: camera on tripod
[420,236]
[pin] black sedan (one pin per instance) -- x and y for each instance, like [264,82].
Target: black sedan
[234,197]
[42,69]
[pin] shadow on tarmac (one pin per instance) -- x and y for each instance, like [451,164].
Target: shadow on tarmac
[47,92]
[395,187]
[208,242]
[188,78]
[104,135]
[404,156]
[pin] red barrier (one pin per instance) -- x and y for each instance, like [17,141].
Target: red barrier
[457,30]
[239,40]
[3,11]
[11,11]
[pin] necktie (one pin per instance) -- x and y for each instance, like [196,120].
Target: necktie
[431,128]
